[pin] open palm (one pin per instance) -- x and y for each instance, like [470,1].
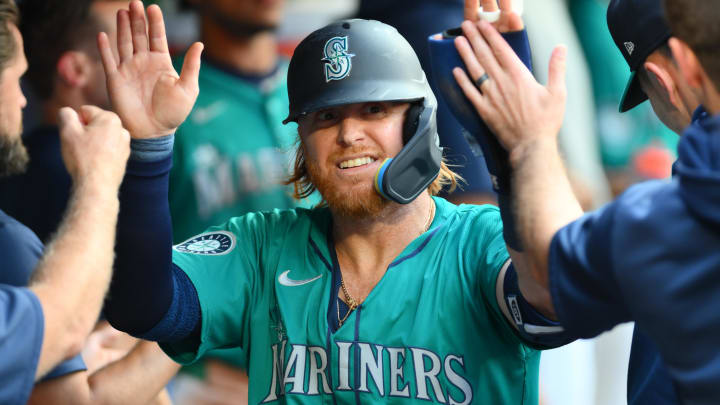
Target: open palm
[145,91]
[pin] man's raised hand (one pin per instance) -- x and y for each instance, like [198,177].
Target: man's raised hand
[513,104]
[95,147]
[144,88]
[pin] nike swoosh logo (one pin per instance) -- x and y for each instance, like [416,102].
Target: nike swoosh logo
[285,280]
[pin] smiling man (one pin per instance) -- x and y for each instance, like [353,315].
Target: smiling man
[385,294]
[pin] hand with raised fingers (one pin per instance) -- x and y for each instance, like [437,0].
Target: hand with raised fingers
[514,105]
[144,88]
[504,18]
[95,146]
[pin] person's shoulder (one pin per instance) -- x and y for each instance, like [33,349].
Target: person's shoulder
[14,234]
[648,202]
[467,213]
[277,220]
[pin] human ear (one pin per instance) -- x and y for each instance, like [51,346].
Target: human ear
[73,68]
[688,62]
[666,81]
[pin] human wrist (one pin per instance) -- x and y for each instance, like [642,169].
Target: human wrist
[538,145]
[152,149]
[96,187]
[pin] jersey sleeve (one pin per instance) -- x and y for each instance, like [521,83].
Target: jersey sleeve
[490,255]
[21,334]
[585,293]
[21,252]
[223,266]
[73,365]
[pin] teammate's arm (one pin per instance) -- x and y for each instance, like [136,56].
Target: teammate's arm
[137,377]
[526,118]
[72,277]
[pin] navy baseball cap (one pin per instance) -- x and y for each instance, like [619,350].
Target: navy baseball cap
[638,28]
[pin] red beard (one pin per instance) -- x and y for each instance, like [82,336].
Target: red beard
[361,202]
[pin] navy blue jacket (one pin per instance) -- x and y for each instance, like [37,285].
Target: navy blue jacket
[653,256]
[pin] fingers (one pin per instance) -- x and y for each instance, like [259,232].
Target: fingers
[138,27]
[124,36]
[480,52]
[471,92]
[556,75]
[489,5]
[511,11]
[471,9]
[191,67]
[69,121]
[106,54]
[505,6]
[158,39]
[91,114]
[503,53]
[471,63]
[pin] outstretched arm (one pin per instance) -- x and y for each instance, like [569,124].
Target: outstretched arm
[73,275]
[138,376]
[152,101]
[526,118]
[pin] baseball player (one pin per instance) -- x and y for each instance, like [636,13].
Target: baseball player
[46,323]
[651,256]
[385,294]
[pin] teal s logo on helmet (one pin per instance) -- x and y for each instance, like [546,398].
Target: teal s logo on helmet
[337,59]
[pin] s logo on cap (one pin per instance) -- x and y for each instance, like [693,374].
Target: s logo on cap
[337,59]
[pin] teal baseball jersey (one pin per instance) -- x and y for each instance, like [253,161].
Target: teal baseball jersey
[430,330]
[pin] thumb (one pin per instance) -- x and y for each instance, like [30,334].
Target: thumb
[191,67]
[89,113]
[556,76]
[69,120]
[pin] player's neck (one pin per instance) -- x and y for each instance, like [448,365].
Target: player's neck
[256,54]
[365,247]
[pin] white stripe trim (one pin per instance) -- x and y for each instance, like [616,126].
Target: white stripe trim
[542,330]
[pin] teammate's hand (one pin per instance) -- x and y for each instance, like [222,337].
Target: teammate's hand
[513,104]
[94,145]
[508,21]
[105,345]
[145,91]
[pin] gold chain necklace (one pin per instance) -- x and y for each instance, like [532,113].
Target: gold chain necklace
[352,302]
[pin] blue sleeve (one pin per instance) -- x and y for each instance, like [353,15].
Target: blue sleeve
[21,251]
[585,293]
[149,297]
[21,334]
[533,328]
[73,365]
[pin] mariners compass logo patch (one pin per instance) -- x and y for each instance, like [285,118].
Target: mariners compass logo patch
[337,59]
[210,244]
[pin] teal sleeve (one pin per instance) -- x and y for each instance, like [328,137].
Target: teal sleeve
[487,255]
[223,265]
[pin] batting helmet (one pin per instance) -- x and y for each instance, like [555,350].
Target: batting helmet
[359,61]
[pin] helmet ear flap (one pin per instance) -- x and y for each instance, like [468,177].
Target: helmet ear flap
[412,120]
